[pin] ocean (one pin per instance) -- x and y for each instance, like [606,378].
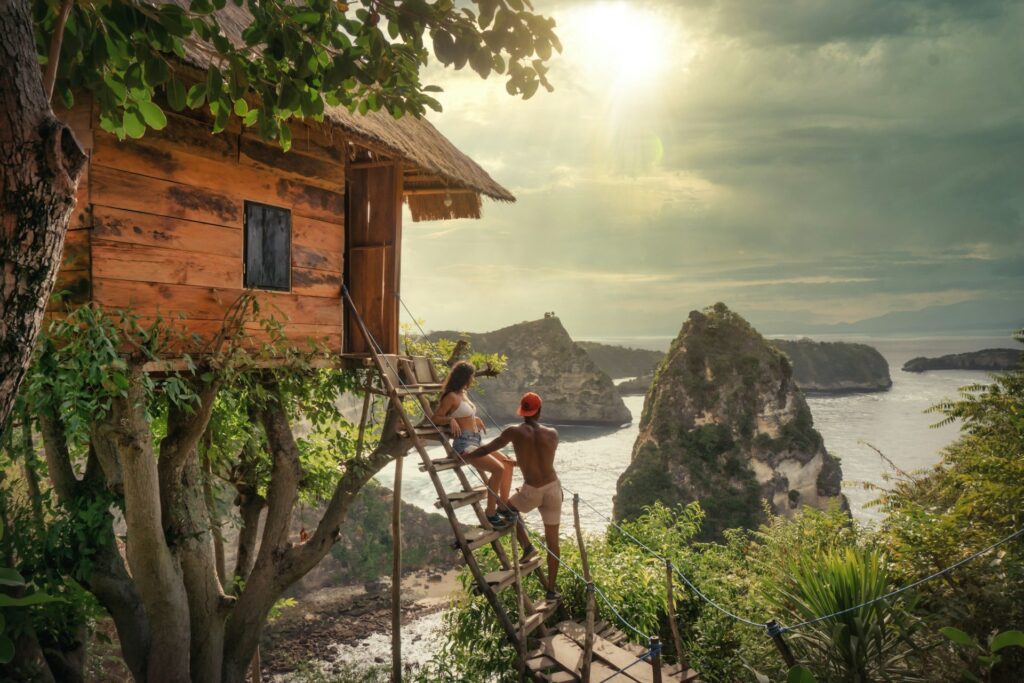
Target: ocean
[590,459]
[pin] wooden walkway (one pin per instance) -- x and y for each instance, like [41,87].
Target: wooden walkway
[546,653]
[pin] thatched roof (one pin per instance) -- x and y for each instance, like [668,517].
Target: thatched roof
[412,139]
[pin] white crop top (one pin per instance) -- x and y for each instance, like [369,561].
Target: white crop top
[464,409]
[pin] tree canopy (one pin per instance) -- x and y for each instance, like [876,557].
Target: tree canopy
[292,59]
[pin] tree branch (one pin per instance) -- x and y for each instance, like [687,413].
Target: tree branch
[273,573]
[58,459]
[285,474]
[185,428]
[56,40]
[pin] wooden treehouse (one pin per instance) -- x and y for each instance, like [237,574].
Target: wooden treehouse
[182,222]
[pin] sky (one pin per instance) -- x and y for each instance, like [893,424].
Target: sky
[808,162]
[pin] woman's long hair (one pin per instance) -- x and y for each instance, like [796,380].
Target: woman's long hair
[458,378]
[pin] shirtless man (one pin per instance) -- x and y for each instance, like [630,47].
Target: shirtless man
[535,446]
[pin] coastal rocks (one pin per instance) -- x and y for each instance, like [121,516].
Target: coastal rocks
[725,424]
[543,358]
[836,367]
[988,360]
[622,361]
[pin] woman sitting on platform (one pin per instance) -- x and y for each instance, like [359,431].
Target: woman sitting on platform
[459,413]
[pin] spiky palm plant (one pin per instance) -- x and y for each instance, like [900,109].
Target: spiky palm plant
[873,642]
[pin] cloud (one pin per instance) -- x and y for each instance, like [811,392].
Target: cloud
[813,156]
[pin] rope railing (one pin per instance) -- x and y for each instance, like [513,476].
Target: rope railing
[773,629]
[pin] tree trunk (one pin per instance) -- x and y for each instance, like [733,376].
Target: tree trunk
[157,574]
[208,606]
[109,580]
[40,164]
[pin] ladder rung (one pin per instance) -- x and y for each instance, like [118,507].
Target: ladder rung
[424,435]
[478,537]
[532,622]
[413,390]
[546,607]
[540,663]
[561,677]
[441,464]
[459,499]
[503,578]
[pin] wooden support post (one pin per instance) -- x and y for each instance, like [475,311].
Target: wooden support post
[362,420]
[588,642]
[656,658]
[521,640]
[775,631]
[671,600]
[396,574]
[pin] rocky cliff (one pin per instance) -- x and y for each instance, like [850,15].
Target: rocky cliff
[725,424]
[835,367]
[543,358]
[988,360]
[622,361]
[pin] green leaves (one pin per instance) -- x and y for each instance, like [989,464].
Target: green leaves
[799,674]
[1007,639]
[958,637]
[290,59]
[10,577]
[175,94]
[152,115]
[134,124]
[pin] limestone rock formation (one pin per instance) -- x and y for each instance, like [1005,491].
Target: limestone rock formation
[622,361]
[725,424]
[543,358]
[836,367]
[988,360]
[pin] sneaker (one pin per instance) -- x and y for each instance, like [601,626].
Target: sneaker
[528,553]
[553,596]
[510,515]
[497,522]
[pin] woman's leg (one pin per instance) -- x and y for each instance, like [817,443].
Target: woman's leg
[506,480]
[492,471]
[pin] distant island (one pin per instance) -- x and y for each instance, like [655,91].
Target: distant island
[835,367]
[622,361]
[988,360]
[818,367]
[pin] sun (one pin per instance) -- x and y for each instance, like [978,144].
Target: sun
[621,44]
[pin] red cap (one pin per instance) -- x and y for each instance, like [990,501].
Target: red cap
[529,405]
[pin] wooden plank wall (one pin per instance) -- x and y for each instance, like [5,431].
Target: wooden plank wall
[167,219]
[73,283]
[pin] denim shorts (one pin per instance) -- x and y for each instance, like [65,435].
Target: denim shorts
[467,441]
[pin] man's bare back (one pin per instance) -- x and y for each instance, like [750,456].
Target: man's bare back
[535,447]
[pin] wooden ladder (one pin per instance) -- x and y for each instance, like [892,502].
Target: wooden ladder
[402,378]
[558,655]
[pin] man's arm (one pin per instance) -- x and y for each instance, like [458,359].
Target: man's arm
[503,439]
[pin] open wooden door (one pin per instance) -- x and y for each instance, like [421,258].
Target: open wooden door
[374,245]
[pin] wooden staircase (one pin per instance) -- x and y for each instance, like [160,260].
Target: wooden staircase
[557,654]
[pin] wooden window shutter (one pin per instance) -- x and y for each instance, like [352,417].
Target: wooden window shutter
[268,247]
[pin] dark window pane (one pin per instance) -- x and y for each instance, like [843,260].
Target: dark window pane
[268,237]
